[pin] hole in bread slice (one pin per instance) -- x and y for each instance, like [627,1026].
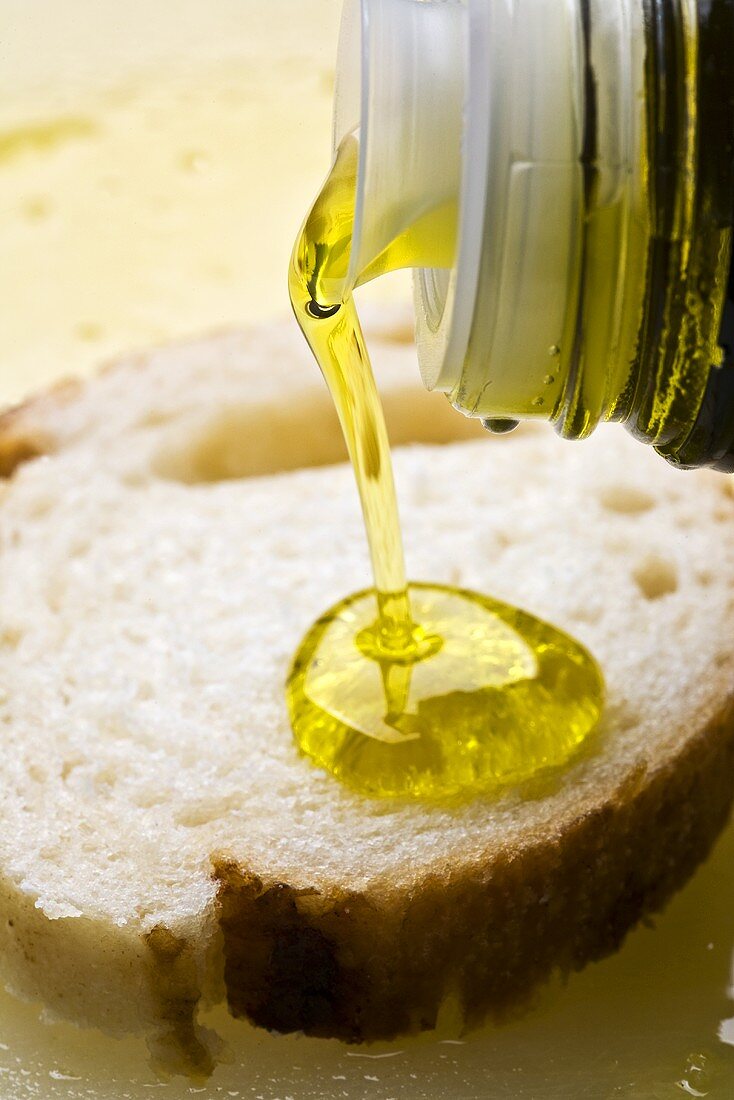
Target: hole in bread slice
[656,577]
[627,500]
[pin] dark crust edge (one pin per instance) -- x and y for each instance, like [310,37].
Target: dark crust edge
[25,429]
[358,968]
[29,429]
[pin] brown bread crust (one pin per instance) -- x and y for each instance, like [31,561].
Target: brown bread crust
[25,431]
[365,968]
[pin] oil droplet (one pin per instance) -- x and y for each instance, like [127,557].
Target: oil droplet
[500,426]
[503,698]
[539,402]
[554,351]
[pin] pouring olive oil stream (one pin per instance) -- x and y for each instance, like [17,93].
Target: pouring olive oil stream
[415,690]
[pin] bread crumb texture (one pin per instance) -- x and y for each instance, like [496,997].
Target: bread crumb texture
[165,541]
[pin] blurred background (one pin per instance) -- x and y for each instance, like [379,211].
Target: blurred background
[156,160]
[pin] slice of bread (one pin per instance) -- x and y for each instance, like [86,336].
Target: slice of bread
[163,843]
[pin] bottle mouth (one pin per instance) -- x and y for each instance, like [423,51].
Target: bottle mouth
[401,90]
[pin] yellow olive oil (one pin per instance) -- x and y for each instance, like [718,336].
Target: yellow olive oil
[415,691]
